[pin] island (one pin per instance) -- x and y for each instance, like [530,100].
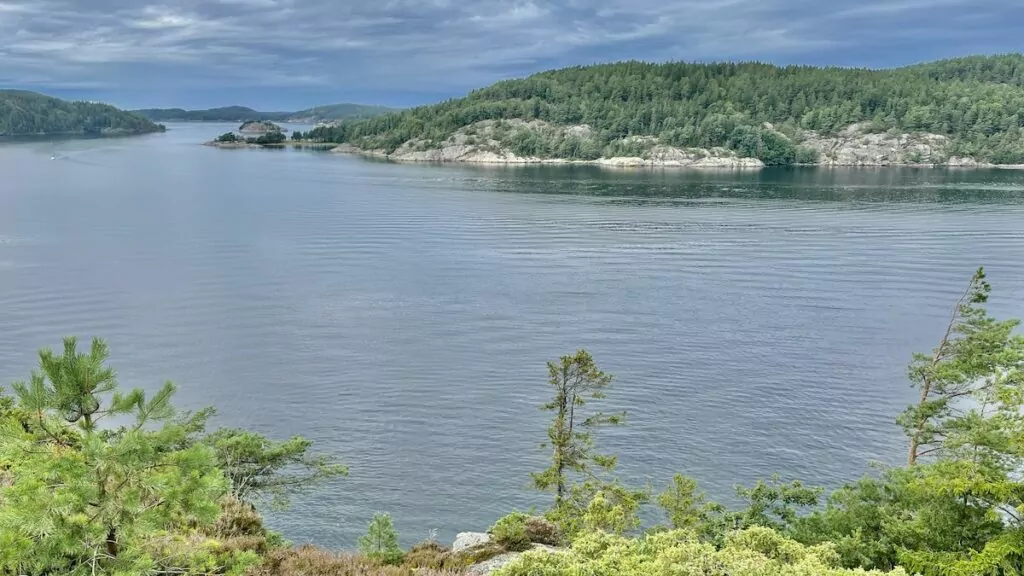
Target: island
[258,127]
[24,113]
[269,139]
[962,112]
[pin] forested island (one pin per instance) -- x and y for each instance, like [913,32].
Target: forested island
[960,112]
[25,113]
[242,114]
[96,480]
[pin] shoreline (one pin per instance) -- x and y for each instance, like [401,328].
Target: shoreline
[288,144]
[618,162]
[624,162]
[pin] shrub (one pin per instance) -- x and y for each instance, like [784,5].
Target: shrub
[178,554]
[312,561]
[429,554]
[754,552]
[227,137]
[540,530]
[510,532]
[805,155]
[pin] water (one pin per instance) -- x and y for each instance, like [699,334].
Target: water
[401,315]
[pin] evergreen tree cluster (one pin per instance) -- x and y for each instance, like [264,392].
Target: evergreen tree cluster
[976,101]
[29,113]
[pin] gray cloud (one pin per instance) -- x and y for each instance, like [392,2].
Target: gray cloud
[445,47]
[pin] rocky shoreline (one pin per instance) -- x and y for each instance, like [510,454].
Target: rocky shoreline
[855,146]
[482,144]
[669,158]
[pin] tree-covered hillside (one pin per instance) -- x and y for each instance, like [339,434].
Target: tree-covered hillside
[978,102]
[29,113]
[242,114]
[340,112]
[225,114]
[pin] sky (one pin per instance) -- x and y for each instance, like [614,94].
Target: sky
[292,54]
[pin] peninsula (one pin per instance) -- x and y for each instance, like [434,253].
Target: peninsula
[962,112]
[24,113]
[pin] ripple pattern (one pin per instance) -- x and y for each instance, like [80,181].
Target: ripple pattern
[401,315]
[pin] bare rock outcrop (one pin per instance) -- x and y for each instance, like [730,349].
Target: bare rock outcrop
[854,146]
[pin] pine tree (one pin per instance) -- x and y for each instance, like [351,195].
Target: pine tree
[381,541]
[81,499]
[576,380]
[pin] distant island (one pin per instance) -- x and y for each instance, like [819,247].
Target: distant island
[24,113]
[242,113]
[258,127]
[962,112]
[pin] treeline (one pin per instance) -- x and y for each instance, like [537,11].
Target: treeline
[224,114]
[976,101]
[242,113]
[29,113]
[82,495]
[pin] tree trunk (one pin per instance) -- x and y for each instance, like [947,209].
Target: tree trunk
[112,548]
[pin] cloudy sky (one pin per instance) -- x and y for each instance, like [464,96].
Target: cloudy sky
[288,54]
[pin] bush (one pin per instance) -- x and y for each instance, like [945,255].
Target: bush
[227,137]
[540,530]
[178,554]
[312,561]
[754,552]
[429,554]
[805,155]
[510,532]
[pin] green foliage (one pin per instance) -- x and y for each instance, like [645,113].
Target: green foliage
[576,380]
[380,542]
[687,508]
[296,135]
[78,499]
[227,137]
[753,552]
[311,561]
[975,101]
[259,468]
[805,155]
[978,358]
[871,521]
[956,508]
[773,504]
[518,531]
[540,530]
[595,504]
[28,113]
[510,532]
[272,137]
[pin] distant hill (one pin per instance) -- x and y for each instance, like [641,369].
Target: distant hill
[339,112]
[25,113]
[225,114]
[242,114]
[958,111]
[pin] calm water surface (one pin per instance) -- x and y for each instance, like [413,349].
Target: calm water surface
[401,315]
